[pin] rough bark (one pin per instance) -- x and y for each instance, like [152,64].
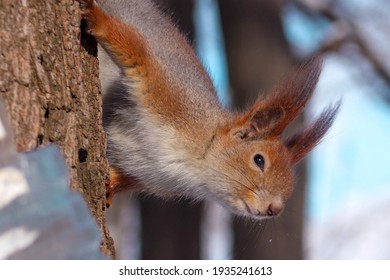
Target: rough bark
[50,87]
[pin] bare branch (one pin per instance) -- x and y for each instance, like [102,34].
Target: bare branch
[345,30]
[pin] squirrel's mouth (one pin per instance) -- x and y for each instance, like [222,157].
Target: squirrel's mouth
[257,210]
[273,210]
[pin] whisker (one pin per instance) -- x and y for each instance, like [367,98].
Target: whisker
[248,209]
[243,172]
[231,179]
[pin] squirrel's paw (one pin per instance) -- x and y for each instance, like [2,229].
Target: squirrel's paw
[109,193]
[86,4]
[88,12]
[119,182]
[112,184]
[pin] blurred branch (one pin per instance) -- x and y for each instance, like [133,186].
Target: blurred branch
[345,30]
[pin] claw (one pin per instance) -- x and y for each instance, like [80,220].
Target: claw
[86,8]
[109,197]
[112,184]
[84,4]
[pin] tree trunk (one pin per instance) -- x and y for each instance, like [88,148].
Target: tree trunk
[50,87]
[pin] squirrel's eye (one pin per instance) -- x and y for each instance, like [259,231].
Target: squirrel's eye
[259,160]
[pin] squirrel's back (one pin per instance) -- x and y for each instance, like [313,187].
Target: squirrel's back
[181,68]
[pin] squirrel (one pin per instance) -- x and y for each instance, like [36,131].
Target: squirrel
[168,135]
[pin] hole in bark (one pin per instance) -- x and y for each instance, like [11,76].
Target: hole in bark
[87,40]
[40,139]
[83,154]
[40,59]
[46,113]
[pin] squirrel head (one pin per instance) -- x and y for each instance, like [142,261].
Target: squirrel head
[251,163]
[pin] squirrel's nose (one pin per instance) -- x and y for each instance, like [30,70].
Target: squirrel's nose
[274,210]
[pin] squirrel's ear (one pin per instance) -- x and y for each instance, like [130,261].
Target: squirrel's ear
[259,122]
[303,142]
[270,116]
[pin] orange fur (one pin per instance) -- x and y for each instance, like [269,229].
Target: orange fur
[118,182]
[130,50]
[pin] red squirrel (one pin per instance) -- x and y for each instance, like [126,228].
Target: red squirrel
[168,134]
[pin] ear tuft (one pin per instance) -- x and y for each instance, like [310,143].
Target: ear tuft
[270,116]
[302,143]
[293,94]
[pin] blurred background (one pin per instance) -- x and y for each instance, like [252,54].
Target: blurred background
[341,202]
